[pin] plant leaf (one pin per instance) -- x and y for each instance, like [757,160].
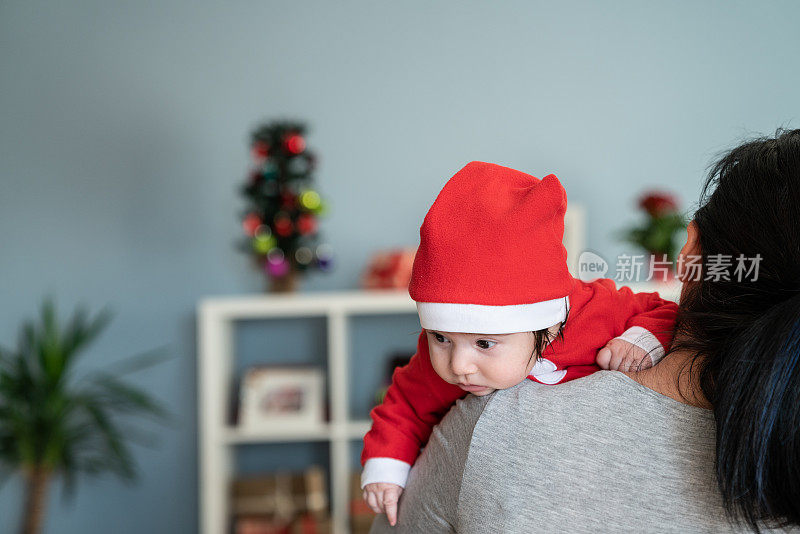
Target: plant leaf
[68,426]
[140,361]
[82,331]
[119,459]
[124,397]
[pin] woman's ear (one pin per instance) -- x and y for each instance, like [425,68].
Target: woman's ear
[691,248]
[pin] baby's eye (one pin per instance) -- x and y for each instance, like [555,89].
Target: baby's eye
[439,337]
[485,343]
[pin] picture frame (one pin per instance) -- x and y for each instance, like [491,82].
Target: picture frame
[274,396]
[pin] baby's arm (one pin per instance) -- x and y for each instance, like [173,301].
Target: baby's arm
[648,321]
[415,402]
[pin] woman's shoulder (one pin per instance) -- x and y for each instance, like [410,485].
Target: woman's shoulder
[594,454]
[602,389]
[606,407]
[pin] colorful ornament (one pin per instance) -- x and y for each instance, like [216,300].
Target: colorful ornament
[322,209]
[283,225]
[263,243]
[288,200]
[324,251]
[276,264]
[306,224]
[324,255]
[294,143]
[269,172]
[325,265]
[260,151]
[251,223]
[303,255]
[310,200]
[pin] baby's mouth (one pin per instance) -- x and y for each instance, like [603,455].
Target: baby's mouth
[470,387]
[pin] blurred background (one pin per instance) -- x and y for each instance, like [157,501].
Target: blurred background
[125,141]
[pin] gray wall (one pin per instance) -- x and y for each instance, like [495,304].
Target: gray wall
[123,131]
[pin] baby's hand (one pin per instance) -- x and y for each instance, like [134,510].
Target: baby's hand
[620,355]
[382,497]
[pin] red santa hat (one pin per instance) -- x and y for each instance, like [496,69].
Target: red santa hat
[491,258]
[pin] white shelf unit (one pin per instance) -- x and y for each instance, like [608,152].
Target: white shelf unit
[218,438]
[216,352]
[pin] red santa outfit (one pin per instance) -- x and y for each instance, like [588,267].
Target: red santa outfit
[491,261]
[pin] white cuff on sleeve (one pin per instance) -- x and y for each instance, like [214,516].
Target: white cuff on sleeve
[642,338]
[385,470]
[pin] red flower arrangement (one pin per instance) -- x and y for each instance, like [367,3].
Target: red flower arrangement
[664,221]
[658,203]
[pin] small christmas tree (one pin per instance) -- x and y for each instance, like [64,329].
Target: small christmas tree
[280,222]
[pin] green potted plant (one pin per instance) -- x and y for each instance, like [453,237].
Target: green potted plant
[55,424]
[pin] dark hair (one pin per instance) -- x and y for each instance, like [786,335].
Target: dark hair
[744,334]
[543,338]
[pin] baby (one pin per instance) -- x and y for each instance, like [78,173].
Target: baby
[497,305]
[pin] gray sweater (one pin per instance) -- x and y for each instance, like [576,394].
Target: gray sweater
[598,454]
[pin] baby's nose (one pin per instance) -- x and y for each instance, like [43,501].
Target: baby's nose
[461,363]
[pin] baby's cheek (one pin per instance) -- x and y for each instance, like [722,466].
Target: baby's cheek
[514,380]
[439,366]
[505,377]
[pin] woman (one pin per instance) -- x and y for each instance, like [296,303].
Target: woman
[710,440]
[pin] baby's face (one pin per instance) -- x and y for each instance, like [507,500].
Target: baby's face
[481,363]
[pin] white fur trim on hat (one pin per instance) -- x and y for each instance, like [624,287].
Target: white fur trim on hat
[481,319]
